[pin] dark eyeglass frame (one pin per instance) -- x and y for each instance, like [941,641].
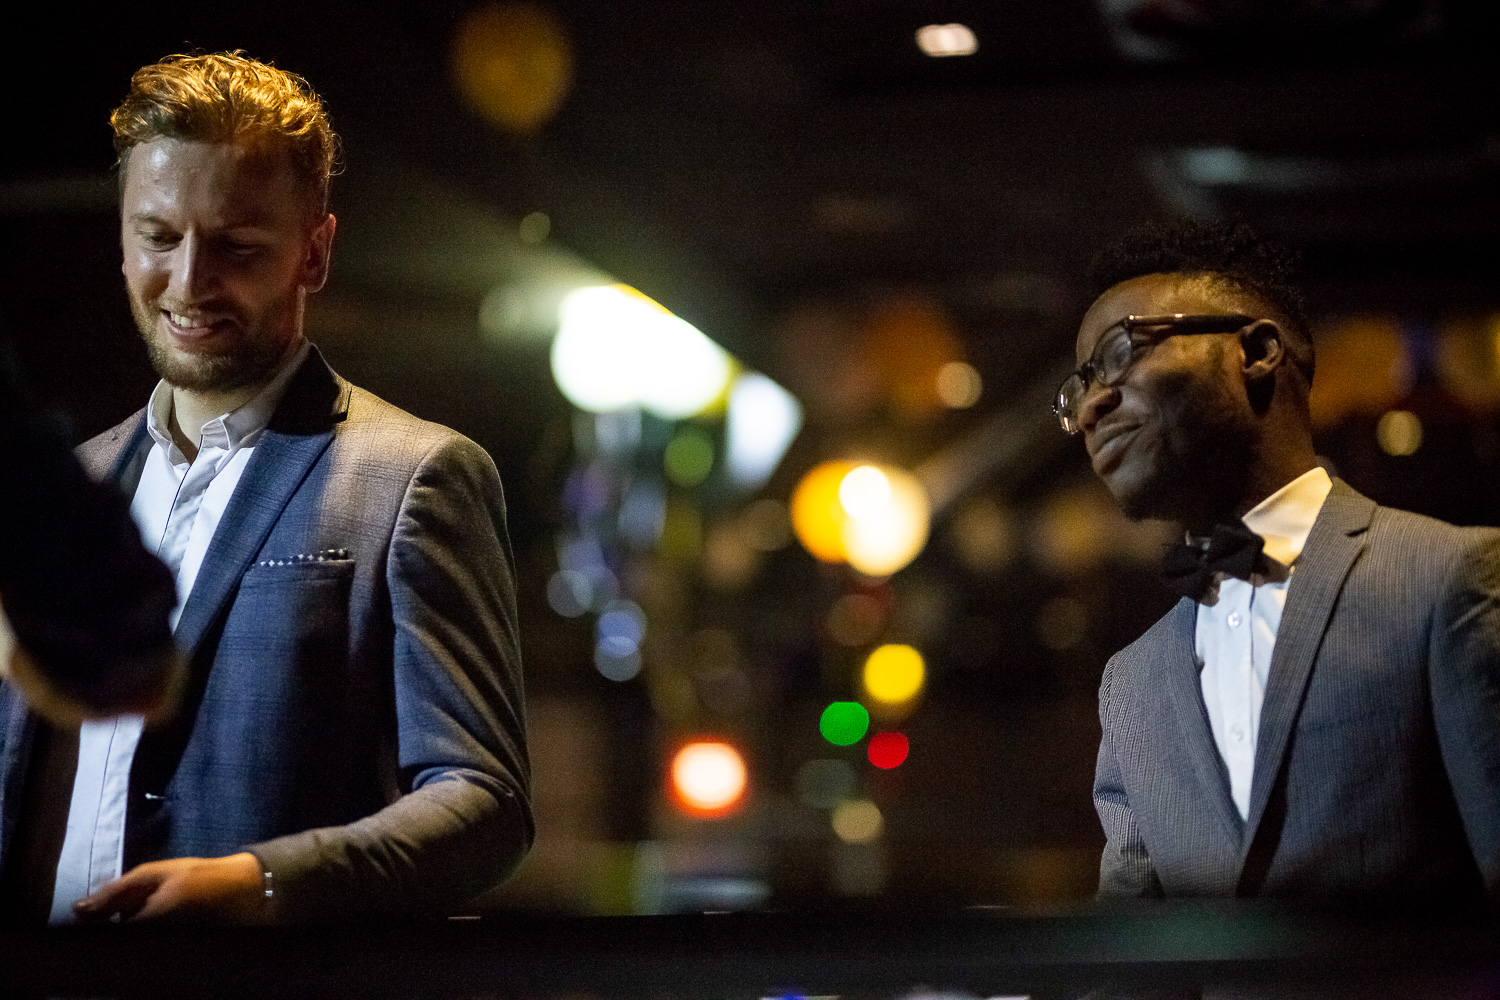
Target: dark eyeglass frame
[1096,370]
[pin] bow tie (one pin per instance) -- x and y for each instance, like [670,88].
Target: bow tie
[1233,549]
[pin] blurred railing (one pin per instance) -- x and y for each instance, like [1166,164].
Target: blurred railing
[1173,950]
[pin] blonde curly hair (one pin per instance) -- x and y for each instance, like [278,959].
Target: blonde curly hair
[228,97]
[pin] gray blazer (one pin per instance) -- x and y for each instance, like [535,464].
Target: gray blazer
[354,716]
[1377,767]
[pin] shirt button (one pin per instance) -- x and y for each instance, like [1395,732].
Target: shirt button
[1234,619]
[1236,733]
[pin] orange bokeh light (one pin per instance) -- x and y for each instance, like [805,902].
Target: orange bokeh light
[817,515]
[709,778]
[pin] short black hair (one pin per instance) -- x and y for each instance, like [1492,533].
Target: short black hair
[1229,251]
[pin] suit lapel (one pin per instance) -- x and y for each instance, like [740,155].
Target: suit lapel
[1336,540]
[1184,687]
[297,436]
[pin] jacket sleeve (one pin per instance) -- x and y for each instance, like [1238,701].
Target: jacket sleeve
[1125,869]
[464,821]
[1464,676]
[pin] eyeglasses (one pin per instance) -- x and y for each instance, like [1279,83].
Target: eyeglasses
[1118,349]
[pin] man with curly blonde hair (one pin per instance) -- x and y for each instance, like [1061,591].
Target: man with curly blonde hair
[352,741]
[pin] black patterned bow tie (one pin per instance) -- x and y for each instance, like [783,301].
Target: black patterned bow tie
[1233,549]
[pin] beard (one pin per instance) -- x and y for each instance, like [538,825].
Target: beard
[251,358]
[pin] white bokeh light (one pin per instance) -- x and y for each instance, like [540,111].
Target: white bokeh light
[763,420]
[616,348]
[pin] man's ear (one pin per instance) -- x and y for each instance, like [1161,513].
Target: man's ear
[1264,349]
[319,252]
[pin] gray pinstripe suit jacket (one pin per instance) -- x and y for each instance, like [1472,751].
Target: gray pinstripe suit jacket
[1377,767]
[353,719]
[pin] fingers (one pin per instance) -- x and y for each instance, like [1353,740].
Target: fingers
[126,895]
[213,889]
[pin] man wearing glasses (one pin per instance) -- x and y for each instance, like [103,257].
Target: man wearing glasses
[1320,714]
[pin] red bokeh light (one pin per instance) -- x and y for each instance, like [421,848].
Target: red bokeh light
[888,750]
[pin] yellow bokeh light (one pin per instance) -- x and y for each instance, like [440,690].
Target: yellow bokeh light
[894,674]
[817,515]
[857,821]
[513,64]
[708,778]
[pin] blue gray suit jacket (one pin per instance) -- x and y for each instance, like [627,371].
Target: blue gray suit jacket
[1377,766]
[354,714]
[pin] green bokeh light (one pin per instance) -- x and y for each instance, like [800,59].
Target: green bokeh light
[844,723]
[689,457]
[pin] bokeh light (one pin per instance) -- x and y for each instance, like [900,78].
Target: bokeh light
[881,540]
[959,385]
[817,516]
[763,420]
[824,783]
[844,723]
[888,750]
[857,821]
[534,228]
[513,64]
[621,627]
[1399,433]
[709,778]
[894,674]
[910,338]
[616,348]
[864,492]
[569,593]
[689,457]
[944,40]
[876,518]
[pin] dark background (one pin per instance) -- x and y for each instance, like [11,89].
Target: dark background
[778,173]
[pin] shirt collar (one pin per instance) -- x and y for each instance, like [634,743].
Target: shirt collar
[239,428]
[1285,518]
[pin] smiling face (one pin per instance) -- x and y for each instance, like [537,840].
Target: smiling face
[219,255]
[1174,439]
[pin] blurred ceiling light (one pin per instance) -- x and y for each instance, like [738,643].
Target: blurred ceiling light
[708,779]
[940,40]
[958,385]
[874,518]
[857,821]
[513,64]
[763,421]
[616,348]
[894,674]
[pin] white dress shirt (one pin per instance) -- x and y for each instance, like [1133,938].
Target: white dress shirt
[1236,629]
[177,507]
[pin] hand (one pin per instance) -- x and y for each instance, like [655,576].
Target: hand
[213,890]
